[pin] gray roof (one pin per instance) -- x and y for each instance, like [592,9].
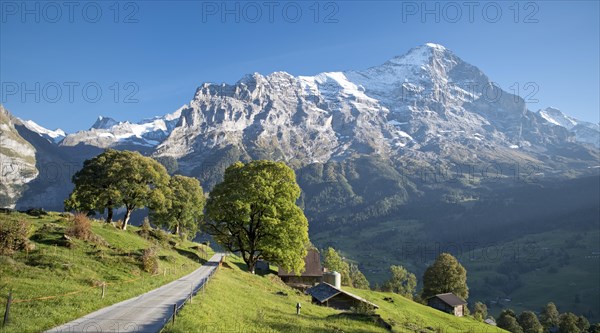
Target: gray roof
[324,292]
[450,299]
[490,321]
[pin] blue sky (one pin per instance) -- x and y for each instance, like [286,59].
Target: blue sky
[158,52]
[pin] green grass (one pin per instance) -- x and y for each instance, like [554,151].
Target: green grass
[560,266]
[237,301]
[563,261]
[52,269]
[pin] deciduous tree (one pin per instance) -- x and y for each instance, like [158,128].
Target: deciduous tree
[253,211]
[334,262]
[583,323]
[358,278]
[549,317]
[508,321]
[480,311]
[445,275]
[568,323]
[529,322]
[184,206]
[117,179]
[95,187]
[401,282]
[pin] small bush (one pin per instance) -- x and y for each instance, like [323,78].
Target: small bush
[363,309]
[150,260]
[14,236]
[6,261]
[42,260]
[276,280]
[80,227]
[36,212]
[170,259]
[161,236]
[146,229]
[67,215]
[183,236]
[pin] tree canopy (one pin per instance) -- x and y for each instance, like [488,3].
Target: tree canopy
[507,320]
[549,317]
[184,206]
[95,189]
[401,282]
[334,263]
[445,275]
[568,323]
[529,322]
[480,311]
[117,179]
[358,278]
[253,211]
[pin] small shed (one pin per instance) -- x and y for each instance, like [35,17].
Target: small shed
[262,265]
[490,321]
[311,276]
[328,295]
[448,303]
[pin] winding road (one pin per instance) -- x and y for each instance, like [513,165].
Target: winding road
[149,312]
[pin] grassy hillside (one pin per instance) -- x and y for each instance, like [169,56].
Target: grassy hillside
[74,271]
[236,301]
[564,261]
[524,241]
[507,274]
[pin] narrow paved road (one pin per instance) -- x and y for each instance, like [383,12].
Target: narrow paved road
[145,313]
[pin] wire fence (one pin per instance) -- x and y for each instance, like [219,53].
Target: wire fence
[103,285]
[200,286]
[176,307]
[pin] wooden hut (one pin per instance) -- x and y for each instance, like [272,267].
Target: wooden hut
[448,303]
[328,295]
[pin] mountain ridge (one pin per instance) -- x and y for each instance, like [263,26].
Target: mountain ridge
[426,109]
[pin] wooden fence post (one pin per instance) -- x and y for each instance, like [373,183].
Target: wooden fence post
[7,311]
[103,289]
[174,312]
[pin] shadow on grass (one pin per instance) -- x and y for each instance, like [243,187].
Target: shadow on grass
[192,255]
[50,238]
[265,272]
[242,266]
[332,323]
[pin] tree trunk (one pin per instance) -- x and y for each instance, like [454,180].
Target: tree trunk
[250,262]
[109,215]
[126,217]
[251,265]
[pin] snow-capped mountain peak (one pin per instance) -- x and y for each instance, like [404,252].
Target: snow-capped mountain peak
[427,99]
[556,117]
[53,136]
[584,131]
[435,46]
[107,132]
[104,123]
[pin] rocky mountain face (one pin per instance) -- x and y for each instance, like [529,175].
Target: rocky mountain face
[425,108]
[17,161]
[368,135]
